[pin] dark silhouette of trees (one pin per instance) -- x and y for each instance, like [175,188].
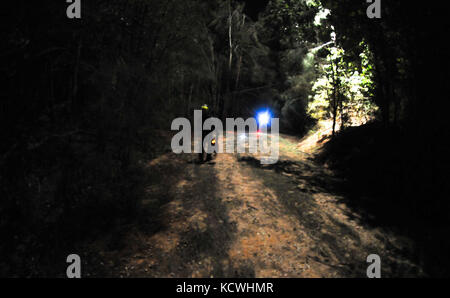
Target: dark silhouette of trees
[84,101]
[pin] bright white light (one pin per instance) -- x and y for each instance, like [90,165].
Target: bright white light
[242,137]
[321,15]
[263,118]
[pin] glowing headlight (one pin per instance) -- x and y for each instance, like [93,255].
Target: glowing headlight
[263,118]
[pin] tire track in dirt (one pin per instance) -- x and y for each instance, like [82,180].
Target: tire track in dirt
[268,239]
[237,218]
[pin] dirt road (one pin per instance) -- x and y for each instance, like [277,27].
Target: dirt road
[237,218]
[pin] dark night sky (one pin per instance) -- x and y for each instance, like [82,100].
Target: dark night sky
[254,7]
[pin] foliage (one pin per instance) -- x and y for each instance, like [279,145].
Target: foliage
[354,84]
[84,101]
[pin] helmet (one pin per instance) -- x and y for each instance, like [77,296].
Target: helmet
[205,107]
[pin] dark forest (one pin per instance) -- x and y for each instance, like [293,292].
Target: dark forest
[86,165]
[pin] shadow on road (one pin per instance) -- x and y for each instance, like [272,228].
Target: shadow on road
[183,229]
[342,237]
